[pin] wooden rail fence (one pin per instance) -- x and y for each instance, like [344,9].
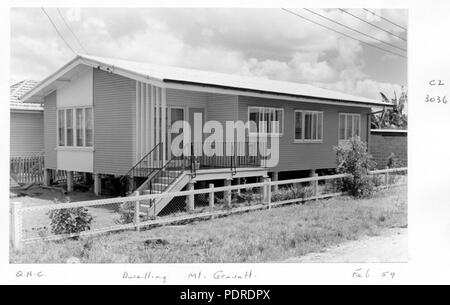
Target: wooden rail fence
[17,211]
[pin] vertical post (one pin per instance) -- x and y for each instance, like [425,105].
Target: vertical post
[211,199]
[47,177]
[238,182]
[97,184]
[157,119]
[386,178]
[315,185]
[190,201]
[69,181]
[163,123]
[138,123]
[137,212]
[275,178]
[264,189]
[147,121]
[228,192]
[16,225]
[142,121]
[269,192]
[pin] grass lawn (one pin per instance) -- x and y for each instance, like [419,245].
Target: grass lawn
[260,236]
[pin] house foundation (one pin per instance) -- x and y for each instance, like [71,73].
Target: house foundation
[97,184]
[274,178]
[47,177]
[69,175]
[227,194]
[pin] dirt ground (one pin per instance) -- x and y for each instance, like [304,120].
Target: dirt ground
[388,247]
[36,195]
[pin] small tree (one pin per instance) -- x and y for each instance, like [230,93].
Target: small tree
[353,158]
[392,117]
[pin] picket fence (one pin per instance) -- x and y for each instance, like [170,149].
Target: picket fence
[29,169]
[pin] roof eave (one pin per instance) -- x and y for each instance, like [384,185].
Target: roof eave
[27,97]
[183,82]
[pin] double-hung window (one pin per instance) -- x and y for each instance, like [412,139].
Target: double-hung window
[75,127]
[266,120]
[349,125]
[308,126]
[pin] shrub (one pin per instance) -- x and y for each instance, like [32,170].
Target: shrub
[249,196]
[126,213]
[291,192]
[353,159]
[68,221]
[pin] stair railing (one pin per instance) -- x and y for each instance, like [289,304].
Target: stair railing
[147,160]
[145,166]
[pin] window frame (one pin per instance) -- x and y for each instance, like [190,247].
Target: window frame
[303,112]
[74,109]
[261,113]
[353,115]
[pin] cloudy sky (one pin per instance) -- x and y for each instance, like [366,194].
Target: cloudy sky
[268,43]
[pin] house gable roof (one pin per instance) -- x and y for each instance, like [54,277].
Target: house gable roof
[167,76]
[18,89]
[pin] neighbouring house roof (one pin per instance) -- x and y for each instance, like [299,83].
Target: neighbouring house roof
[18,89]
[166,76]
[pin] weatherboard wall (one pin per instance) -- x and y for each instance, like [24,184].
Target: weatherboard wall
[50,156]
[114,123]
[306,156]
[26,133]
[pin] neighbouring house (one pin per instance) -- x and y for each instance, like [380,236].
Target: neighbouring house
[113,118]
[26,122]
[384,142]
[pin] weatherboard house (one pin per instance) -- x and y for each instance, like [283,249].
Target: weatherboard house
[113,118]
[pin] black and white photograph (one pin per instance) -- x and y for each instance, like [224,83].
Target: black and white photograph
[212,135]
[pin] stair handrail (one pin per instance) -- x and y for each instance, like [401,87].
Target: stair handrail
[155,173]
[142,159]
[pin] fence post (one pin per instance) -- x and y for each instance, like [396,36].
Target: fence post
[386,178]
[211,199]
[227,193]
[137,212]
[16,225]
[269,192]
[315,186]
[190,197]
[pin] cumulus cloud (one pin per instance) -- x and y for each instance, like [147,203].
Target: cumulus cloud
[259,42]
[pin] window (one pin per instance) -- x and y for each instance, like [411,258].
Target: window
[88,126]
[75,127]
[69,127]
[267,120]
[79,124]
[308,126]
[61,129]
[349,125]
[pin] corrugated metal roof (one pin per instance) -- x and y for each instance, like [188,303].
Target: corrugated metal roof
[167,73]
[18,89]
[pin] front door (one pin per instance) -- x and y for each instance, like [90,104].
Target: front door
[197,131]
